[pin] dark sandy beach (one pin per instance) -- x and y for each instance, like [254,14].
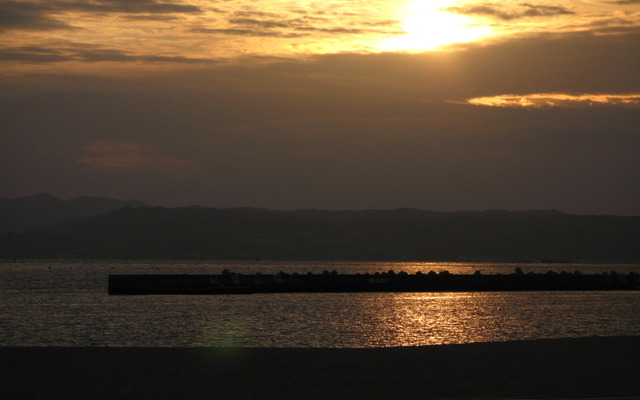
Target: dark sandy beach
[562,368]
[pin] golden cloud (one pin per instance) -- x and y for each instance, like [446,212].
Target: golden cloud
[546,100]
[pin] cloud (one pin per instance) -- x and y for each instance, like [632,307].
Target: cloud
[266,24]
[127,6]
[246,32]
[524,10]
[46,15]
[338,30]
[102,54]
[87,53]
[150,17]
[32,54]
[29,16]
[262,24]
[544,11]
[127,155]
[256,14]
[543,100]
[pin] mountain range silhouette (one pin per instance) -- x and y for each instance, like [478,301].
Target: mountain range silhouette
[104,228]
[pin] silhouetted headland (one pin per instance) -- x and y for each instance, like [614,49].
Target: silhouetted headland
[332,282]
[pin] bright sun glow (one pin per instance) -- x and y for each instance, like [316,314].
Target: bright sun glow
[428,26]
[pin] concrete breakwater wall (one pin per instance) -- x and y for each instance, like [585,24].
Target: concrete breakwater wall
[234,283]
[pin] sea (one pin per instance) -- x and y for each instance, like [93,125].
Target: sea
[65,303]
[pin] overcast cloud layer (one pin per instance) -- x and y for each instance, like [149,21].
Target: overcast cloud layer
[303,104]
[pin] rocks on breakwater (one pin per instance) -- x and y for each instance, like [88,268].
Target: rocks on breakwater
[235,283]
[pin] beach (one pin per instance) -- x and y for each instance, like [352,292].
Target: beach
[594,367]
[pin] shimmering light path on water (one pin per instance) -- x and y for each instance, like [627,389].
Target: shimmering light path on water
[47,304]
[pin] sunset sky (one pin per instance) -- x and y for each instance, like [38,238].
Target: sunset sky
[440,105]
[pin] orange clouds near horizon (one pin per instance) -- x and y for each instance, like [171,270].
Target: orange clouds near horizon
[543,100]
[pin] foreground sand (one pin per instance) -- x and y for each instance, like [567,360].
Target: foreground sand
[564,368]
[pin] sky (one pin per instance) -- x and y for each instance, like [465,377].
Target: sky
[438,105]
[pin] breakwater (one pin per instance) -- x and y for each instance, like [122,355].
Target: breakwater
[332,282]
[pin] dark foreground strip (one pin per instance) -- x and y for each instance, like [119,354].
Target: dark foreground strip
[560,368]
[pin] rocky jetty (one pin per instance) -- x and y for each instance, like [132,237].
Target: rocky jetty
[332,282]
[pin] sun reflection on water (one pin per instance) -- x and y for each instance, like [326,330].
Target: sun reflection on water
[417,319]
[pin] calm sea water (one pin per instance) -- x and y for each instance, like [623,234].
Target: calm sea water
[66,304]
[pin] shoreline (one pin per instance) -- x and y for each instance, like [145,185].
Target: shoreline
[584,368]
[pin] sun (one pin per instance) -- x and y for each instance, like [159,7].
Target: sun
[428,26]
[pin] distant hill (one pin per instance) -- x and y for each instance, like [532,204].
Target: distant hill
[403,234]
[39,210]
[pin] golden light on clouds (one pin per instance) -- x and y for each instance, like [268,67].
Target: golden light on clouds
[180,33]
[429,26]
[543,100]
